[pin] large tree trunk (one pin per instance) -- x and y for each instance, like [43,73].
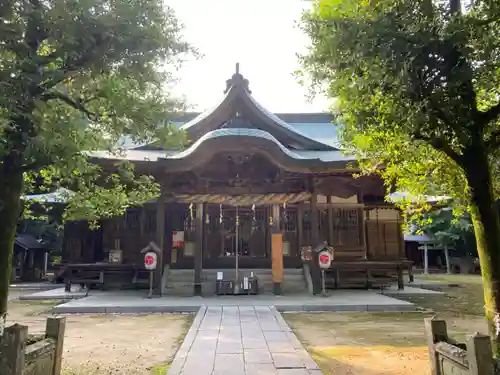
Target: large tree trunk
[11,184]
[486,221]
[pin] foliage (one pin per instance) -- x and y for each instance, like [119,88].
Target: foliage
[79,76]
[444,226]
[400,73]
[417,85]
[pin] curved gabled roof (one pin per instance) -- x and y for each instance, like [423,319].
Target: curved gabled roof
[254,140]
[239,101]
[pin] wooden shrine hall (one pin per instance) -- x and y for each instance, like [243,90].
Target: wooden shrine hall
[245,174]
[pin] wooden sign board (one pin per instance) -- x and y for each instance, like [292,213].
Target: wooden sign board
[277,257]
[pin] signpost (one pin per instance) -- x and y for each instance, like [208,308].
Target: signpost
[150,263]
[325,261]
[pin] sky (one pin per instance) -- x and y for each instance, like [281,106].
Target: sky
[259,34]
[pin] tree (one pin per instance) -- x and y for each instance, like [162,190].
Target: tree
[75,77]
[417,86]
[444,227]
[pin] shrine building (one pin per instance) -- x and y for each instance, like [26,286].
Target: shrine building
[245,174]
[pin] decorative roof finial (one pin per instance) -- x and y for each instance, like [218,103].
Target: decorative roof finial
[237,80]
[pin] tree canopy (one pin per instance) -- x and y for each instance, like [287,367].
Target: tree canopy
[417,88]
[75,77]
[407,77]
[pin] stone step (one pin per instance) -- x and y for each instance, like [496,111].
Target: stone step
[188,275]
[180,282]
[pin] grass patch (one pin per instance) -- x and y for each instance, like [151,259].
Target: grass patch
[160,369]
[465,300]
[391,343]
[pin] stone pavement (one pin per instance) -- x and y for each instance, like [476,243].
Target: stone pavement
[135,302]
[241,340]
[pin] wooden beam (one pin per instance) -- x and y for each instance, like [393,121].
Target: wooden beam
[300,226]
[314,265]
[160,241]
[314,219]
[276,218]
[331,232]
[198,255]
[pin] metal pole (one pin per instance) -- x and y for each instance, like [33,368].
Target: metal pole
[150,284]
[237,286]
[323,282]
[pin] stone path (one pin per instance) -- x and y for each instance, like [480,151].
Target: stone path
[241,340]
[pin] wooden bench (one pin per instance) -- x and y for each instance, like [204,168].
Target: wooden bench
[86,278]
[106,275]
[365,274]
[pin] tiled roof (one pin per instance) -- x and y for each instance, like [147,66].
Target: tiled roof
[154,155]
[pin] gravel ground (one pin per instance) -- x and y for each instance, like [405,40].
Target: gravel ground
[109,344]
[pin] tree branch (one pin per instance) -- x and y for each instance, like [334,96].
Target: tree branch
[494,141]
[442,145]
[76,104]
[72,66]
[491,114]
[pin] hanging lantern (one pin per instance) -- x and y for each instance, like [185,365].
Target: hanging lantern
[285,213]
[271,221]
[207,218]
[221,214]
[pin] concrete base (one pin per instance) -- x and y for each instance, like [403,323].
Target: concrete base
[137,302]
[55,294]
[277,289]
[44,285]
[410,291]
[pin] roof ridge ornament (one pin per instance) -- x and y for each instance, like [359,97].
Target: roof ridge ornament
[237,80]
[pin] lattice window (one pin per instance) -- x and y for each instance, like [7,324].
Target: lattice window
[289,219]
[132,219]
[346,225]
[189,218]
[150,221]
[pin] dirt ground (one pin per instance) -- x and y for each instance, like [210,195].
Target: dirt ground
[387,343]
[110,344]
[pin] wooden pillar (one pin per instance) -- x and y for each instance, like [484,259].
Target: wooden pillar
[198,255]
[300,226]
[55,329]
[314,266]
[331,240]
[435,331]
[314,219]
[426,259]
[447,259]
[12,361]
[160,241]
[276,250]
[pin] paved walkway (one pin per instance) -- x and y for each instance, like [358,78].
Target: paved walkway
[135,302]
[241,340]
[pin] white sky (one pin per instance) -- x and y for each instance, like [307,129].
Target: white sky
[259,34]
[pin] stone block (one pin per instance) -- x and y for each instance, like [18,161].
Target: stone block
[260,369]
[287,361]
[257,356]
